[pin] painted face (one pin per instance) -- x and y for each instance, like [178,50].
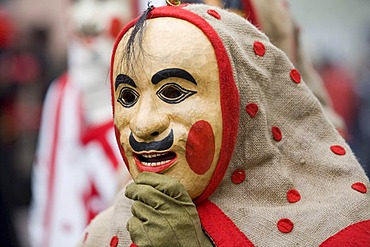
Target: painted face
[93,18]
[167,108]
[93,26]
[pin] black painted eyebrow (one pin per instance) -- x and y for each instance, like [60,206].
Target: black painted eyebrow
[125,79]
[172,72]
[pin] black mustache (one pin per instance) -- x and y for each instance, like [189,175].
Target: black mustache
[164,144]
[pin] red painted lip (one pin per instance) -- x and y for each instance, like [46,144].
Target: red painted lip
[154,166]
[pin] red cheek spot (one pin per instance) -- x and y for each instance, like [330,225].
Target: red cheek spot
[200,147]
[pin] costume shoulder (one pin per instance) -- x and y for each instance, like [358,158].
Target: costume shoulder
[98,230]
[108,227]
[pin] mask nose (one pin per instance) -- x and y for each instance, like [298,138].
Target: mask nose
[149,122]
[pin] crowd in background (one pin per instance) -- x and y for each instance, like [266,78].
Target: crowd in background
[26,69]
[28,65]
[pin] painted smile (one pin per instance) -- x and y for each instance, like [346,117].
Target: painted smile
[155,162]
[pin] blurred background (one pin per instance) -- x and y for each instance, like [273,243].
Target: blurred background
[336,36]
[33,38]
[32,53]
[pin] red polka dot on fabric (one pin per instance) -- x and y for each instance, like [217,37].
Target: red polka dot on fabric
[252,109]
[238,176]
[295,75]
[276,133]
[259,48]
[339,150]
[360,187]
[285,225]
[114,241]
[293,196]
[214,14]
[85,237]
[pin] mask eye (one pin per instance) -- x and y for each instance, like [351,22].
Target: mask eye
[128,97]
[172,93]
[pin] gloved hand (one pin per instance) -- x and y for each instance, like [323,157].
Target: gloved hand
[164,214]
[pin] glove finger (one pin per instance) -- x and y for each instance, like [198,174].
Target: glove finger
[137,232]
[145,213]
[149,196]
[166,184]
[148,223]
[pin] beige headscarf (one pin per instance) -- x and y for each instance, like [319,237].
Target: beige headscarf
[275,19]
[292,179]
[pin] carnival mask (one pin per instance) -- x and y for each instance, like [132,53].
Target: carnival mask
[167,104]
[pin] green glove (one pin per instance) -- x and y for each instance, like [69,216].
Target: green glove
[164,214]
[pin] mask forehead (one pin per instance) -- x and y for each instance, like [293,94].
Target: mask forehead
[162,48]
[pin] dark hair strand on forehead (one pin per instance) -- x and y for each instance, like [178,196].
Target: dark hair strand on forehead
[136,36]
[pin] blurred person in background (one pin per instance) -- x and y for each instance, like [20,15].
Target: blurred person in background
[340,83]
[77,169]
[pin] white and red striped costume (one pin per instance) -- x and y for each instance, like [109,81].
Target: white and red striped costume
[75,169]
[77,162]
